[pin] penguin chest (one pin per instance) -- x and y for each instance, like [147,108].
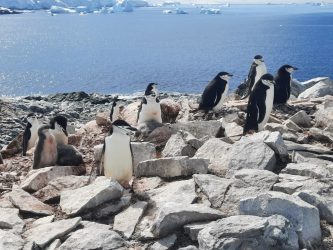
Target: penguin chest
[268,105]
[219,105]
[118,157]
[150,112]
[33,137]
[50,153]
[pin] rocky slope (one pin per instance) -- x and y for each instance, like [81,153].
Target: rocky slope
[198,183]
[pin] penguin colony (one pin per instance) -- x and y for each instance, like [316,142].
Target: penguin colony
[49,142]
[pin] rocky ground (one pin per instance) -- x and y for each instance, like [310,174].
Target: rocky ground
[199,184]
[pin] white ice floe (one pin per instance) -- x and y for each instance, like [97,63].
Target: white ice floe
[167,11]
[180,11]
[61,10]
[210,11]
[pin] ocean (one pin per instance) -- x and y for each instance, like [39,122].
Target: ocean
[123,52]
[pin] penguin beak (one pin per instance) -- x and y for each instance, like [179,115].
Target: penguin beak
[295,68]
[230,75]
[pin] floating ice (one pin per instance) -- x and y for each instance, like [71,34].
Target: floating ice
[210,11]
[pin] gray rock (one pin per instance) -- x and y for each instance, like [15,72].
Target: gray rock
[193,229]
[93,236]
[307,169]
[191,140]
[320,89]
[9,219]
[324,118]
[174,215]
[54,245]
[144,184]
[246,183]
[200,128]
[125,222]
[301,119]
[291,126]
[249,232]
[53,189]
[324,204]
[172,167]
[176,146]
[39,178]
[98,151]
[100,191]
[321,135]
[188,248]
[213,187]
[276,127]
[232,129]
[10,240]
[303,216]
[44,220]
[142,151]
[68,155]
[164,243]
[46,233]
[27,203]
[319,149]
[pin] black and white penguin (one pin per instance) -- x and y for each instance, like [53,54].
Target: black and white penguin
[1,160]
[215,92]
[117,156]
[282,84]
[150,107]
[46,153]
[115,109]
[30,134]
[257,70]
[58,125]
[260,104]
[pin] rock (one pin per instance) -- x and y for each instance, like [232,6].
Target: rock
[144,184]
[176,146]
[161,135]
[93,236]
[92,128]
[188,248]
[249,232]
[68,155]
[98,151]
[164,243]
[39,178]
[193,229]
[301,119]
[51,192]
[191,140]
[307,169]
[201,129]
[319,149]
[170,110]
[232,129]
[303,216]
[290,125]
[43,220]
[75,139]
[9,219]
[276,127]
[10,240]
[174,215]
[100,191]
[125,222]
[322,88]
[142,151]
[130,113]
[46,233]
[1,160]
[324,118]
[324,204]
[102,118]
[27,203]
[246,183]
[184,114]
[54,245]
[172,167]
[213,187]
[321,135]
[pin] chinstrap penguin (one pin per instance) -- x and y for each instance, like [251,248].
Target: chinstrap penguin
[46,153]
[150,107]
[116,108]
[58,125]
[283,84]
[215,92]
[117,156]
[30,134]
[257,70]
[260,104]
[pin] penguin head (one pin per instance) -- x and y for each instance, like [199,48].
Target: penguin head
[268,80]
[258,59]
[122,127]
[151,89]
[60,121]
[287,68]
[224,76]
[32,118]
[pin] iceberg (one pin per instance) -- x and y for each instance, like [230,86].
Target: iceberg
[167,11]
[122,6]
[5,11]
[210,11]
[61,10]
[180,11]
[170,3]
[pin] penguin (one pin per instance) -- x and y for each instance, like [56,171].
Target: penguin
[257,70]
[58,125]
[117,156]
[150,107]
[282,86]
[116,108]
[1,160]
[46,153]
[260,104]
[215,92]
[30,134]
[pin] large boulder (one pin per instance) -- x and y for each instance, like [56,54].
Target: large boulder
[303,216]
[320,89]
[249,232]
[177,146]
[81,199]
[142,151]
[170,110]
[324,118]
[201,129]
[10,240]
[9,219]
[164,243]
[130,113]
[307,169]
[302,119]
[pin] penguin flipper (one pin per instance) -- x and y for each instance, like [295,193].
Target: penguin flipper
[143,101]
[261,109]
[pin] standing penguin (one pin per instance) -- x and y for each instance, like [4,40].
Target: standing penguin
[46,153]
[260,104]
[150,107]
[282,84]
[58,125]
[115,109]
[30,134]
[257,70]
[215,92]
[117,156]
